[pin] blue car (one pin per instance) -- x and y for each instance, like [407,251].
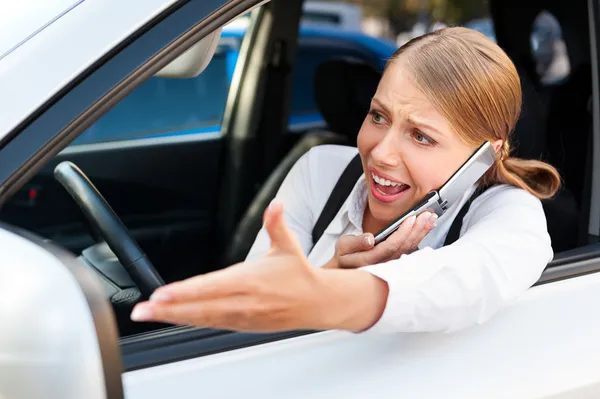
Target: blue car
[164,107]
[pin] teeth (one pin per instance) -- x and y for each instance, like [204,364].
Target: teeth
[384,182]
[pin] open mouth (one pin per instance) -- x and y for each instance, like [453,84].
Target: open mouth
[387,190]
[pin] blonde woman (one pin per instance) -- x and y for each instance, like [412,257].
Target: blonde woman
[441,96]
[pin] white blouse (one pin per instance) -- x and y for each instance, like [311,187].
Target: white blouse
[503,247]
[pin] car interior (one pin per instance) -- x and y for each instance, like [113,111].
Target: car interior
[194,203]
[556,124]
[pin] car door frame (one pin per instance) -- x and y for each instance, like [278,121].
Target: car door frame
[252,129]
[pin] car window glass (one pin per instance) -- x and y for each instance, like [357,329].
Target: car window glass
[163,106]
[548,49]
[171,106]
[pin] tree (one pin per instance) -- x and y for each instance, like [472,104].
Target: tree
[403,14]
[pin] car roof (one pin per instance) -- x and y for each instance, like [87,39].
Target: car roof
[19,24]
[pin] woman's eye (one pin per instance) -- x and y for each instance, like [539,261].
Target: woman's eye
[377,117]
[421,138]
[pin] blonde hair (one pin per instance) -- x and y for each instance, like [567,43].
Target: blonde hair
[476,87]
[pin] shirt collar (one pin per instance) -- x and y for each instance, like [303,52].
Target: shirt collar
[352,210]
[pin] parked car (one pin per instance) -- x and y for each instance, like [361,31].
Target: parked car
[341,15]
[174,103]
[71,265]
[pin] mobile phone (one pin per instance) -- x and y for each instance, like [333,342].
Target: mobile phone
[440,200]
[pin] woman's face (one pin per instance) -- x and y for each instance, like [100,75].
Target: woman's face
[406,145]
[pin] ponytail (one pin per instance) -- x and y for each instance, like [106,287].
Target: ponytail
[475,86]
[537,177]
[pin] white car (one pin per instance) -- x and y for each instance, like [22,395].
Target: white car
[192,203]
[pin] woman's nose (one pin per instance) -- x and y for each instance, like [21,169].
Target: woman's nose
[387,152]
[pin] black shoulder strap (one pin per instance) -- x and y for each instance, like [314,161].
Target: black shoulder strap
[454,231]
[344,187]
[340,193]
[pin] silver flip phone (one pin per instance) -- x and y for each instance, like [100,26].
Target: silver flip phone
[439,201]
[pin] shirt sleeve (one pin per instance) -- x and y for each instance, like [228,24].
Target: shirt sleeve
[295,195]
[503,251]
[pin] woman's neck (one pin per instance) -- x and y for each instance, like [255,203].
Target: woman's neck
[370,224]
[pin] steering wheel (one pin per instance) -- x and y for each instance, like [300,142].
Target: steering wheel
[104,220]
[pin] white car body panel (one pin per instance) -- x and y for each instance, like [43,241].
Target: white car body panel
[44,64]
[21,24]
[520,353]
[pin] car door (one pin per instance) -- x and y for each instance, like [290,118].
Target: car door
[543,346]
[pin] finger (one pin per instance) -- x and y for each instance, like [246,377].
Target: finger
[188,313]
[392,246]
[211,285]
[281,236]
[382,251]
[423,225]
[349,244]
[228,313]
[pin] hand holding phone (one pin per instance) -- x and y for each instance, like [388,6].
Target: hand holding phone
[357,251]
[438,201]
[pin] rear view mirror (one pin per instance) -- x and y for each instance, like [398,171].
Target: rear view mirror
[193,61]
[58,337]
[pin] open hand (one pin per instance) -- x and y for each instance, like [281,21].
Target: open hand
[357,251]
[277,292]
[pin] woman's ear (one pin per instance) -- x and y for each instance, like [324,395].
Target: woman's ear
[497,145]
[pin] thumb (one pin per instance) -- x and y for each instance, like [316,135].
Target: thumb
[282,238]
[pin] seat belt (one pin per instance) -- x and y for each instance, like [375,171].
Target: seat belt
[338,196]
[454,232]
[344,187]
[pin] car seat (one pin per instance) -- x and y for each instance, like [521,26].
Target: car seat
[343,89]
[530,142]
[536,135]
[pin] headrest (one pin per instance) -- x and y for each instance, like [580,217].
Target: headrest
[344,88]
[193,61]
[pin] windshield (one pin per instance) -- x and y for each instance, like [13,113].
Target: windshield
[23,19]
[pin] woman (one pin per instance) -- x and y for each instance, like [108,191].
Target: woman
[441,96]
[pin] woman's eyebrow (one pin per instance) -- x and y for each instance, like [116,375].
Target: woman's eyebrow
[380,104]
[424,125]
[411,119]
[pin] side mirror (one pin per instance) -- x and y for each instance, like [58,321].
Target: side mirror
[58,337]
